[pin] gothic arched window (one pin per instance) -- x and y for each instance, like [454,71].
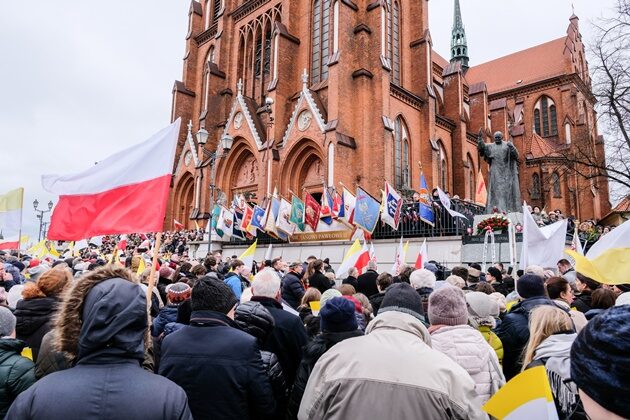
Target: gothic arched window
[472,186]
[535,186]
[320,40]
[206,77]
[555,180]
[392,38]
[442,167]
[545,117]
[401,154]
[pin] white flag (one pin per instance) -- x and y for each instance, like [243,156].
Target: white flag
[542,246]
[446,202]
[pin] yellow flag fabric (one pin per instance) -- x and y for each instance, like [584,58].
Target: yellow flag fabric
[315,306]
[13,200]
[608,260]
[197,225]
[38,250]
[248,256]
[141,267]
[28,353]
[527,396]
[52,250]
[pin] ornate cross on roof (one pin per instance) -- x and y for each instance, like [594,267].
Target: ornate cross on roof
[239,86]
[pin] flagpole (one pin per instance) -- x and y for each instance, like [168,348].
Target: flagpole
[19,241]
[156,249]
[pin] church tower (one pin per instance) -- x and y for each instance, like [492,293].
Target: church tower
[459,47]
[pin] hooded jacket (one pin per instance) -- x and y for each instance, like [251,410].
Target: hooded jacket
[33,320]
[466,346]
[312,352]
[390,373]
[514,333]
[220,368]
[17,373]
[255,319]
[103,324]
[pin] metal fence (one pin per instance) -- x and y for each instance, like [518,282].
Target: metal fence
[410,225]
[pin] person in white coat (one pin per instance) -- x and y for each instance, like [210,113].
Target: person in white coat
[451,335]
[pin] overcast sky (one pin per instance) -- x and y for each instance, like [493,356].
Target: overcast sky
[81,80]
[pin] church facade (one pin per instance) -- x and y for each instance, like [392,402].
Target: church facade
[294,95]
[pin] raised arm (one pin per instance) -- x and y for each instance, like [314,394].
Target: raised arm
[481,145]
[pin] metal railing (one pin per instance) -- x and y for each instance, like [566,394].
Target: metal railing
[410,225]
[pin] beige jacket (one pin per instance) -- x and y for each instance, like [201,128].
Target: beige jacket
[390,373]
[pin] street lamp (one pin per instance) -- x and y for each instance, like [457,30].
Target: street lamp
[226,144]
[40,216]
[202,136]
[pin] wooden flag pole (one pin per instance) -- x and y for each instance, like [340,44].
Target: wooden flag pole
[151,285]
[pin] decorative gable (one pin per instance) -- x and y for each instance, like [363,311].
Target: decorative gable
[245,106]
[306,100]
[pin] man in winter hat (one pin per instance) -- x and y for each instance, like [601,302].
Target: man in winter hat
[395,362]
[217,364]
[600,364]
[102,326]
[338,323]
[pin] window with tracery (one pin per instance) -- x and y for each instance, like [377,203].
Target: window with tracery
[320,40]
[545,117]
[555,181]
[442,167]
[535,186]
[401,154]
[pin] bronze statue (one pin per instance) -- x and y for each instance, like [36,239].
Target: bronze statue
[503,191]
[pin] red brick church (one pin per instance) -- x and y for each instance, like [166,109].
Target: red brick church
[297,94]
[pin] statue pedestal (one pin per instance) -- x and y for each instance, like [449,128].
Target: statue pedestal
[515,218]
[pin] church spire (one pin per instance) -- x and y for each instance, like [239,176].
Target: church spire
[459,47]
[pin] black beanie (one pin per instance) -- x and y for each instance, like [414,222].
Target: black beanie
[337,315]
[211,294]
[600,360]
[530,285]
[402,297]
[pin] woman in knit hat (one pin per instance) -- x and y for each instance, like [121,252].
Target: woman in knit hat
[451,335]
[550,340]
[600,364]
[483,312]
[35,312]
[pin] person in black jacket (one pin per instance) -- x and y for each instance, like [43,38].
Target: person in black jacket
[316,277]
[36,311]
[352,278]
[17,373]
[102,324]
[289,335]
[366,282]
[218,365]
[383,281]
[292,287]
[586,285]
[514,330]
[255,319]
[338,323]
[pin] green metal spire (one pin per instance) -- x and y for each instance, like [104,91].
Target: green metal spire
[459,47]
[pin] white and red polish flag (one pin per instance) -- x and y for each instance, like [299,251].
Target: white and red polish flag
[125,193]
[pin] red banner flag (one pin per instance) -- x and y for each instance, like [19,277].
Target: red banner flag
[311,211]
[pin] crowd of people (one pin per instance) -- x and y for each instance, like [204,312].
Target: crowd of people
[294,340]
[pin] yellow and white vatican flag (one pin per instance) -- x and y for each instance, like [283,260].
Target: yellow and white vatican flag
[527,396]
[11,205]
[608,260]
[352,255]
[248,256]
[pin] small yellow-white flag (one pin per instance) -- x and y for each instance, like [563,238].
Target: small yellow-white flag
[527,396]
[141,266]
[248,256]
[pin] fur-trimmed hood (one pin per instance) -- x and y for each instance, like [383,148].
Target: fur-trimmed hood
[104,314]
